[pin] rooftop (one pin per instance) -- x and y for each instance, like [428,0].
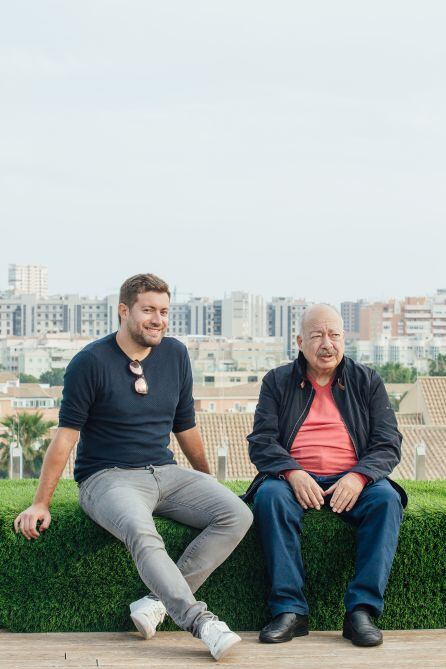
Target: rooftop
[232,428]
[29,390]
[242,390]
[433,390]
[7,376]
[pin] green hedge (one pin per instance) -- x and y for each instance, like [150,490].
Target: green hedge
[77,577]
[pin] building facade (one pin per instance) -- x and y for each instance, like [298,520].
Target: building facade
[283,320]
[28,280]
[29,316]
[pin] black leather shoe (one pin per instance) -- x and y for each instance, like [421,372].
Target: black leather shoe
[284,627]
[359,628]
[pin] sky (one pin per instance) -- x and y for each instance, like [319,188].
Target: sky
[282,148]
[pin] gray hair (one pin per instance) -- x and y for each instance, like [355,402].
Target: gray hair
[308,310]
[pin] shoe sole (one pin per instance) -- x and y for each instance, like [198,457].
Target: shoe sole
[364,644]
[303,632]
[140,622]
[227,647]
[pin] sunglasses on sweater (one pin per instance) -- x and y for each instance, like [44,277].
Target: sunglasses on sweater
[141,385]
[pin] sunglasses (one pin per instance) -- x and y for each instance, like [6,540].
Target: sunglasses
[141,385]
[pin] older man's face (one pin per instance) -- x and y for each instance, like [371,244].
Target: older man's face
[322,341]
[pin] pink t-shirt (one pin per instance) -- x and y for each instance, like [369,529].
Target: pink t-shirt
[322,445]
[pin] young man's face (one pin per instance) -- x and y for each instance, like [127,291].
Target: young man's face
[147,320]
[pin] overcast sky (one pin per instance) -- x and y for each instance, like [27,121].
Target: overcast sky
[283,148]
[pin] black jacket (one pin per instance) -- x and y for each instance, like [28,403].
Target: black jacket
[359,393]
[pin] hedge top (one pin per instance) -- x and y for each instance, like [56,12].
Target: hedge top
[17,495]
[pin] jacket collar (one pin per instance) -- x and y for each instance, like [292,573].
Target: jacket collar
[301,371]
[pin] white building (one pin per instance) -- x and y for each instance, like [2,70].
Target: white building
[409,351]
[205,316]
[243,315]
[220,360]
[179,319]
[36,355]
[28,280]
[29,316]
[284,315]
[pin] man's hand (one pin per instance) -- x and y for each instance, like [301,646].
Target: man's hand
[308,493]
[345,492]
[53,465]
[26,522]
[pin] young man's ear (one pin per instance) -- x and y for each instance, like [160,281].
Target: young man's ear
[123,311]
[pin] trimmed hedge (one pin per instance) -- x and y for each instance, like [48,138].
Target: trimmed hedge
[76,577]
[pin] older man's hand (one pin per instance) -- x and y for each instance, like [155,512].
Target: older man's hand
[308,493]
[345,492]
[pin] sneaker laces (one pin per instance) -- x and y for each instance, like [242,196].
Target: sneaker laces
[213,629]
[155,613]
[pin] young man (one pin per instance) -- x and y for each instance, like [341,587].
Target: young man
[124,394]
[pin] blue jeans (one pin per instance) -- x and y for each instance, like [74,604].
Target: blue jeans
[376,516]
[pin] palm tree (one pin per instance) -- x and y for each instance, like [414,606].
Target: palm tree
[31,432]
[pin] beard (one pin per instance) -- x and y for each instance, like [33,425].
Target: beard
[144,339]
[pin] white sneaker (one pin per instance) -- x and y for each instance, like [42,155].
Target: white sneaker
[217,636]
[147,614]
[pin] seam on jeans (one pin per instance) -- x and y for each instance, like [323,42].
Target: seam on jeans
[196,544]
[91,514]
[192,508]
[92,502]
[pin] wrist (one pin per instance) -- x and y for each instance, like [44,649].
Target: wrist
[361,477]
[289,473]
[42,504]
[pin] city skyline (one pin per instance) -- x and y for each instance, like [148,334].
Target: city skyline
[285,149]
[185,296]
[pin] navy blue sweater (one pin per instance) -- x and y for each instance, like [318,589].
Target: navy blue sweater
[118,427]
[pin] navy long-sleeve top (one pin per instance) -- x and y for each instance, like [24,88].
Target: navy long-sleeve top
[119,427]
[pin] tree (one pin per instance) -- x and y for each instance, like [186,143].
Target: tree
[395,372]
[27,378]
[438,367]
[31,432]
[53,376]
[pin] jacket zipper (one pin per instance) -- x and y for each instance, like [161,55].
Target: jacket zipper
[294,430]
[345,425]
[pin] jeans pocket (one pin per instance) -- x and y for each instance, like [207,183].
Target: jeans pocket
[87,485]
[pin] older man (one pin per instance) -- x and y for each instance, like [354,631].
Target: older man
[325,435]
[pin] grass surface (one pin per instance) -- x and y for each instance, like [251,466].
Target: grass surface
[77,577]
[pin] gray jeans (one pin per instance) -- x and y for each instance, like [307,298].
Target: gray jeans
[123,500]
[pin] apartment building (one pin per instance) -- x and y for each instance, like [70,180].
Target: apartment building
[350,312]
[28,280]
[36,355]
[243,315]
[409,351]
[413,316]
[30,316]
[199,316]
[283,320]
[228,360]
